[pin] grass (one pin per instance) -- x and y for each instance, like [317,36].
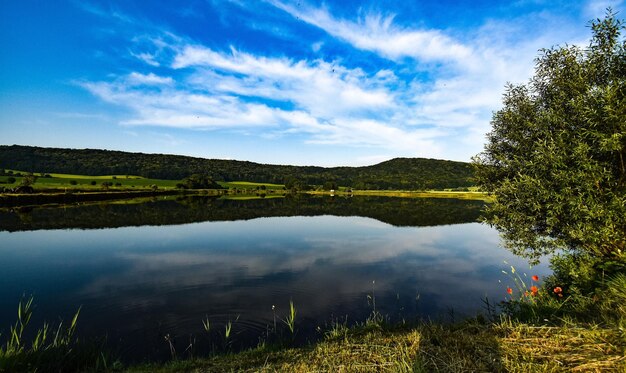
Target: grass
[473,195]
[72,176]
[290,320]
[250,185]
[50,349]
[471,346]
[549,340]
[246,197]
[69,181]
[84,182]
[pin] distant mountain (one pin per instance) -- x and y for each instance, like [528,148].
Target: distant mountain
[398,173]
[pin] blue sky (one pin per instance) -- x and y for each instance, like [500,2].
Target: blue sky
[283,82]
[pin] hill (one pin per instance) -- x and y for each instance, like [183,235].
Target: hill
[398,173]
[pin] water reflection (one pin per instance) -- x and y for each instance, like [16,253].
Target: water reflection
[182,210]
[138,283]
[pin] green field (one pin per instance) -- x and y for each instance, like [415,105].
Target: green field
[250,185]
[69,181]
[63,181]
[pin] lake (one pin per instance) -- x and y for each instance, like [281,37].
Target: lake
[149,269]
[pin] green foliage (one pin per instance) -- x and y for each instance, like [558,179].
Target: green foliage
[11,180]
[293,183]
[582,287]
[197,181]
[556,156]
[330,185]
[51,349]
[398,174]
[290,320]
[28,179]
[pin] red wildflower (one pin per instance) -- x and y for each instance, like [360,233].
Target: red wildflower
[509,290]
[535,278]
[526,293]
[534,290]
[558,290]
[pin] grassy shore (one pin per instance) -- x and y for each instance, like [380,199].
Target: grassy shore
[471,346]
[473,195]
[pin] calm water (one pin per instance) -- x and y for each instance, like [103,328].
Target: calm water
[145,270]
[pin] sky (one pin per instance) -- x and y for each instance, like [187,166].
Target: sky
[333,83]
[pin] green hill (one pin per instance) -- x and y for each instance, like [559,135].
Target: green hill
[398,173]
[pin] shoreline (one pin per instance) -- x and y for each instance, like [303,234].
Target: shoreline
[38,199]
[75,196]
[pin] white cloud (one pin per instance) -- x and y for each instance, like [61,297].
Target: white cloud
[378,33]
[148,58]
[136,78]
[597,8]
[315,47]
[219,90]
[433,97]
[170,107]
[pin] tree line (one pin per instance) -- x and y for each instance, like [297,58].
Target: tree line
[398,173]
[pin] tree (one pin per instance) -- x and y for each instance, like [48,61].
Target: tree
[556,156]
[28,179]
[197,181]
[294,183]
[330,185]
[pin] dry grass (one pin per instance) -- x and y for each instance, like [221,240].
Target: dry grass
[507,347]
[468,347]
[371,351]
[568,348]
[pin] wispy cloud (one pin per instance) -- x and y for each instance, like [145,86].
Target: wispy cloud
[235,90]
[378,33]
[147,58]
[597,8]
[432,94]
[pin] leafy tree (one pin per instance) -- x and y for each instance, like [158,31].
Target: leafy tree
[556,156]
[293,183]
[28,179]
[330,185]
[197,181]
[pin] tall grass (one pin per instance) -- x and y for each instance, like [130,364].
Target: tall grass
[51,349]
[290,320]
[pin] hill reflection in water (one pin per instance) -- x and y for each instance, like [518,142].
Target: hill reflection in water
[413,212]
